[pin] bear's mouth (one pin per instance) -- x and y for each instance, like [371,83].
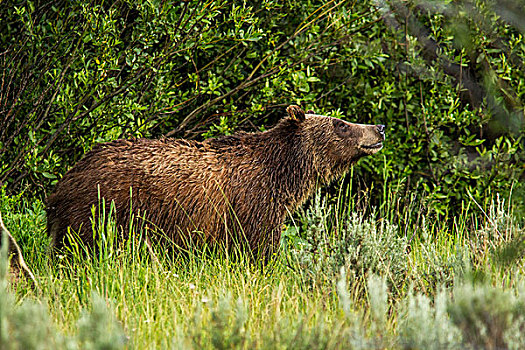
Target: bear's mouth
[378,145]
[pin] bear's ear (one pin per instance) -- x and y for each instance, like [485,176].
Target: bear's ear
[296,113]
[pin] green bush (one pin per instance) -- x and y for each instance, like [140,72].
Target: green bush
[330,240]
[425,324]
[488,317]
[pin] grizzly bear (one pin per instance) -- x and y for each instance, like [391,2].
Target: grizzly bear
[219,192]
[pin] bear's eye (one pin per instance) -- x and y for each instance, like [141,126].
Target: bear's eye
[341,125]
[341,128]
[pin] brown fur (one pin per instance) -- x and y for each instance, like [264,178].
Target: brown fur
[232,188]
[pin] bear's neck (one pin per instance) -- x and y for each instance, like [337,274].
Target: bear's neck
[287,167]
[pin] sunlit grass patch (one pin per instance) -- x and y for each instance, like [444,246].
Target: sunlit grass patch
[344,278]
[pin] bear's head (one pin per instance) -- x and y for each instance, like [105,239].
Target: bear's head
[334,143]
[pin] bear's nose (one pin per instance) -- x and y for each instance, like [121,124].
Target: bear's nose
[381,129]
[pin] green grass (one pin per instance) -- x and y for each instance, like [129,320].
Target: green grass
[345,279]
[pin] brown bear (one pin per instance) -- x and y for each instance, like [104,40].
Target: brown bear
[221,191]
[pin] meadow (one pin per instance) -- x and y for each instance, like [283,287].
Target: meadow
[348,276]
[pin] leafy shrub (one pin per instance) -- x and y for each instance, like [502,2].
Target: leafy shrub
[99,328]
[425,324]
[474,316]
[226,327]
[361,245]
[488,317]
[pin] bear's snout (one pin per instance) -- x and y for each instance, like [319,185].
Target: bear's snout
[381,130]
[373,138]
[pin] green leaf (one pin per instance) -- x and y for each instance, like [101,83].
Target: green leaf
[49,175]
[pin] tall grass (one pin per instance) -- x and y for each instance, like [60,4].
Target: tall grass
[348,276]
